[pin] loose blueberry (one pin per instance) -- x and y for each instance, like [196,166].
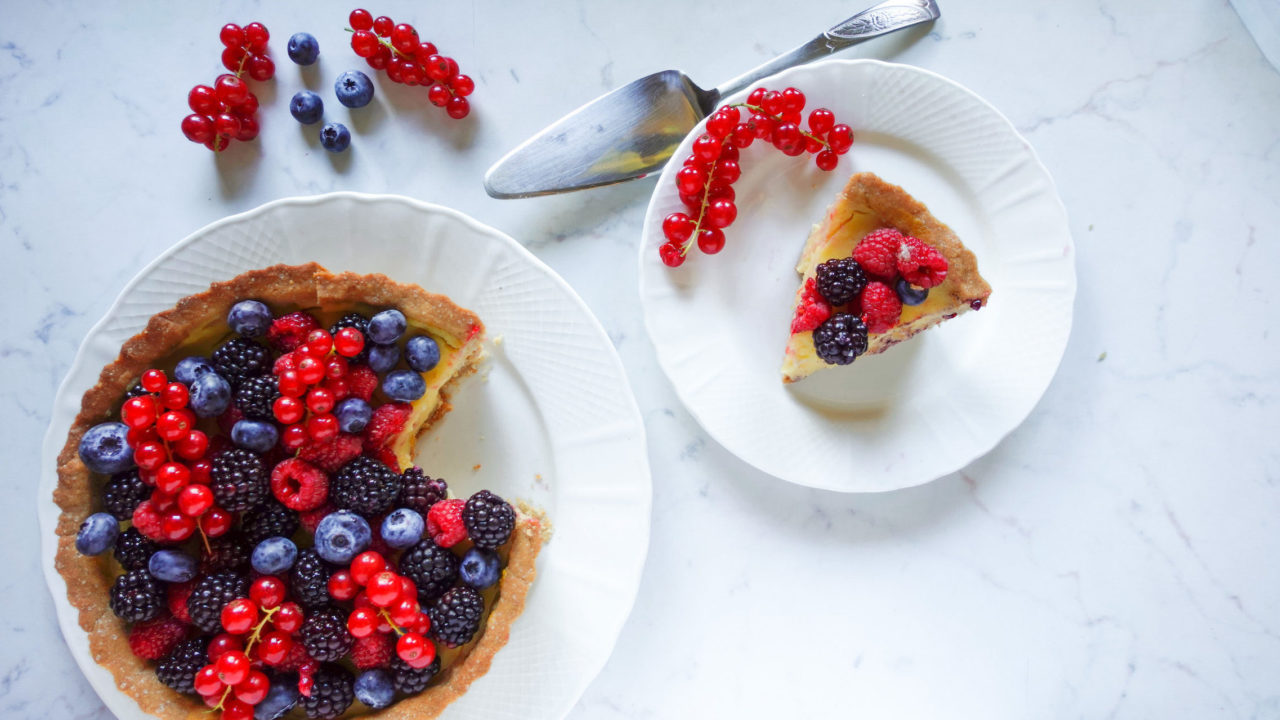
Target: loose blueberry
[303,48]
[383,357]
[354,89]
[173,566]
[274,555]
[210,395]
[404,385]
[190,368]
[255,435]
[280,699]
[374,688]
[353,415]
[250,318]
[910,294]
[341,536]
[104,448]
[480,568]
[306,107]
[422,352]
[402,528]
[335,137]
[97,534]
[387,326]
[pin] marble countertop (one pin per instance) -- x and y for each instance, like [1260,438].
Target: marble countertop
[1110,558]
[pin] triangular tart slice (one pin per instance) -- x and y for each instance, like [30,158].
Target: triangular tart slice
[867,204]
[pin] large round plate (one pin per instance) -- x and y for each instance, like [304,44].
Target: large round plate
[550,419]
[927,407]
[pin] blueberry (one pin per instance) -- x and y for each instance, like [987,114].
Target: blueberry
[190,368]
[280,699]
[387,326]
[353,89]
[402,528]
[104,448]
[250,318]
[173,566]
[374,688]
[480,568]
[274,555]
[303,48]
[306,107]
[335,137]
[210,395]
[353,415]
[910,294]
[254,435]
[341,536]
[404,385]
[97,534]
[383,357]
[422,352]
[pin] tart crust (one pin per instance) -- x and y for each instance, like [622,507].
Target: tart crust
[307,286]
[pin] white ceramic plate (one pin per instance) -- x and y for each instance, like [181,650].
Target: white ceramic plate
[924,408]
[550,418]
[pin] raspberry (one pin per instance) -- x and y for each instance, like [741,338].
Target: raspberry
[146,520]
[877,253]
[299,485]
[921,264]
[839,280]
[386,422]
[812,310]
[373,651]
[287,332]
[332,453]
[444,523]
[153,639]
[880,307]
[361,381]
[488,519]
[841,339]
[177,595]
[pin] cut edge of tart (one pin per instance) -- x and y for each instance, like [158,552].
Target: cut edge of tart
[194,321]
[868,203]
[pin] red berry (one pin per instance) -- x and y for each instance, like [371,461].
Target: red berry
[177,527]
[773,103]
[274,647]
[383,588]
[360,19]
[444,522]
[727,171]
[840,139]
[362,622]
[438,95]
[877,253]
[756,96]
[267,591]
[462,85]
[248,107]
[235,709]
[319,401]
[678,227]
[412,646]
[299,485]
[322,427]
[341,586]
[257,36]
[154,381]
[226,125]
[216,522]
[288,410]
[349,342]
[762,127]
[690,180]
[239,617]
[921,264]
[792,100]
[164,503]
[404,611]
[230,90]
[424,51]
[195,500]
[827,160]
[202,469]
[291,385]
[138,436]
[207,682]
[721,190]
[294,437]
[172,426]
[437,67]
[310,370]
[252,690]
[146,517]
[288,618]
[711,240]
[232,35]
[720,214]
[881,307]
[197,128]
[423,624]
[722,122]
[365,44]
[672,255]
[706,148]
[261,68]
[394,68]
[458,108]
[319,343]
[139,412]
[223,643]
[153,639]
[404,38]
[821,120]
[743,135]
[365,565]
[233,58]
[382,25]
[788,138]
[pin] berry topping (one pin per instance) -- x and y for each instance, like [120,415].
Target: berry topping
[156,638]
[422,352]
[136,596]
[324,634]
[256,397]
[455,617]
[330,694]
[403,385]
[133,550]
[287,332]
[210,395]
[210,594]
[480,568]
[387,326]
[910,294]
[250,318]
[97,534]
[270,520]
[877,253]
[330,455]
[374,688]
[274,556]
[489,519]
[105,448]
[420,492]
[839,280]
[361,382]
[122,494]
[178,668]
[921,264]
[432,568]
[239,480]
[409,680]
[309,580]
[811,311]
[366,486]
[239,359]
[445,523]
[841,339]
[341,536]
[299,485]
[403,528]
[172,566]
[881,307]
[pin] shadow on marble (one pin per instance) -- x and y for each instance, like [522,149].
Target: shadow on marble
[238,169]
[410,104]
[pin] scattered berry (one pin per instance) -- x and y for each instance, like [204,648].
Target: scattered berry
[373,650]
[335,137]
[303,48]
[354,89]
[409,680]
[388,420]
[387,326]
[281,698]
[306,107]
[255,435]
[239,359]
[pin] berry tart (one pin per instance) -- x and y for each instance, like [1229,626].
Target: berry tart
[243,529]
[876,271]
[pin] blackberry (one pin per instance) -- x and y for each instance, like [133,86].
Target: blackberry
[489,519]
[270,520]
[228,552]
[419,491]
[365,486]
[332,692]
[240,480]
[256,395]
[178,669]
[840,280]
[309,580]
[133,550]
[239,359]
[409,680]
[455,617]
[136,391]
[324,634]
[432,569]
[136,596]
[210,594]
[122,494]
[841,339]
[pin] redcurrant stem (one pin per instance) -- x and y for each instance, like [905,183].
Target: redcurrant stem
[248,645]
[204,538]
[702,211]
[387,616]
[778,118]
[387,44]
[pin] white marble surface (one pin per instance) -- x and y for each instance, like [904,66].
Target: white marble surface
[1111,558]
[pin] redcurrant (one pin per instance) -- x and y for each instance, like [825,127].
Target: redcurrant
[216,522]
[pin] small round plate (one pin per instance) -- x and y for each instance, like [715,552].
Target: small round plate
[549,419]
[924,408]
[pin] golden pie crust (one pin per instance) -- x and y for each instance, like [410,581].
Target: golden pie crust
[307,286]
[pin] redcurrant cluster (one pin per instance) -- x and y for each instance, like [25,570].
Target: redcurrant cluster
[312,380]
[172,457]
[409,60]
[384,602]
[705,183]
[259,631]
[228,110]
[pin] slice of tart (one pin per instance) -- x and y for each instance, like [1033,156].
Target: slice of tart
[878,269]
[161,556]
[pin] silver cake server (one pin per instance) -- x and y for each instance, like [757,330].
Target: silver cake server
[633,130]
